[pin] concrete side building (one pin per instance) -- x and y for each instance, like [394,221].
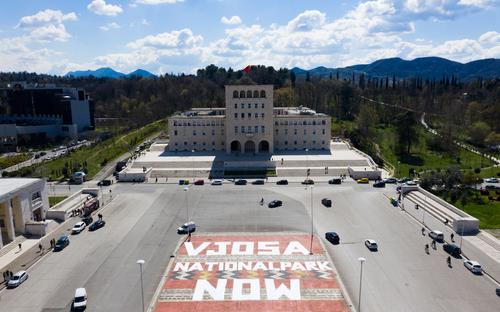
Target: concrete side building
[249,124]
[21,200]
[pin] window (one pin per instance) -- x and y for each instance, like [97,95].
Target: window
[249,105]
[256,115]
[235,94]
[305,131]
[203,133]
[194,143]
[249,129]
[249,94]
[242,129]
[256,94]
[277,131]
[176,143]
[249,115]
[286,131]
[235,104]
[286,142]
[256,129]
[242,105]
[323,142]
[314,132]
[242,94]
[213,143]
[36,195]
[256,105]
[185,143]
[295,131]
[262,105]
[323,122]
[242,115]
[314,122]
[204,144]
[194,132]
[262,94]
[262,115]
[323,131]
[275,123]
[263,129]
[314,141]
[213,131]
[304,123]
[235,115]
[175,132]
[305,142]
[294,142]
[235,129]
[175,122]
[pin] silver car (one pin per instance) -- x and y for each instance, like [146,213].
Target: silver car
[17,279]
[371,244]
[473,266]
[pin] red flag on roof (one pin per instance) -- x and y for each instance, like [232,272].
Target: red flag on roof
[247,69]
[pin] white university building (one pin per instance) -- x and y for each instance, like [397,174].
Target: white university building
[249,124]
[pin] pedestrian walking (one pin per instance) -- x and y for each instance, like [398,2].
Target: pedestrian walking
[423,231]
[427,248]
[10,275]
[40,247]
[20,246]
[452,236]
[156,180]
[433,244]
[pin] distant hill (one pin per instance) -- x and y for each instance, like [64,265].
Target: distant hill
[107,72]
[425,67]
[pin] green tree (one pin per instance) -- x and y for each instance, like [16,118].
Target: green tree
[406,131]
[478,132]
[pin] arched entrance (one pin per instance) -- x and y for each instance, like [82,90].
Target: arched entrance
[235,147]
[249,147]
[263,146]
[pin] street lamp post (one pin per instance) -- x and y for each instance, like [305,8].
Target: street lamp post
[140,262]
[361,260]
[186,189]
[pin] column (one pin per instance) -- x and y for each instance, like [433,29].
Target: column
[9,220]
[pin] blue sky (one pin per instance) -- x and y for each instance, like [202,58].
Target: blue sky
[56,36]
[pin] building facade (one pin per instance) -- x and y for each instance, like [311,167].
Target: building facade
[249,124]
[21,201]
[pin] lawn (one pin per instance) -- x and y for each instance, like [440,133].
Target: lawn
[8,161]
[93,158]
[487,213]
[422,158]
[54,200]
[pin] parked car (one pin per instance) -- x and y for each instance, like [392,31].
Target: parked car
[308,182]
[492,187]
[363,181]
[411,183]
[87,220]
[186,228]
[436,235]
[473,266]
[97,225]
[104,183]
[216,182]
[326,202]
[80,299]
[61,243]
[78,227]
[17,279]
[498,291]
[371,244]
[491,180]
[403,180]
[282,182]
[332,237]
[275,203]
[379,184]
[184,182]
[391,180]
[258,182]
[199,182]
[240,182]
[335,181]
[452,249]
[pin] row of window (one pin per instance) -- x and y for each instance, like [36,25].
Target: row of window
[256,115]
[202,133]
[249,105]
[196,143]
[304,142]
[249,94]
[298,122]
[199,123]
[295,131]
[250,129]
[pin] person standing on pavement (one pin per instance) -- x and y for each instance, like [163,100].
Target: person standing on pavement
[20,246]
[40,247]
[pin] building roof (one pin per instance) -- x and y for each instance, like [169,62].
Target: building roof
[11,185]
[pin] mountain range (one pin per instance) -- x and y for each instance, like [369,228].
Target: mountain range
[107,72]
[424,67]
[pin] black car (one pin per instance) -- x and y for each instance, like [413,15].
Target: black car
[104,183]
[452,249]
[97,225]
[258,182]
[282,182]
[87,220]
[332,237]
[308,182]
[275,203]
[240,182]
[492,187]
[61,243]
[335,181]
[326,202]
[379,184]
[403,180]
[391,180]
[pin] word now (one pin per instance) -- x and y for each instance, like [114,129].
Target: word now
[244,248]
[253,266]
[251,290]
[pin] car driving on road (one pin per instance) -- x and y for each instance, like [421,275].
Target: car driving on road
[379,184]
[97,225]
[275,203]
[335,181]
[258,182]
[332,237]
[436,235]
[473,266]
[78,227]
[216,182]
[491,180]
[240,182]
[186,228]
[17,279]
[61,243]
[363,181]
[282,182]
[371,244]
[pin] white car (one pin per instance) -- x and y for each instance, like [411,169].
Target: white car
[79,226]
[473,266]
[491,180]
[17,279]
[371,244]
[436,235]
[217,182]
[411,183]
[80,300]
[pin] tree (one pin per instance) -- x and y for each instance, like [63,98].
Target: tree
[308,76]
[366,120]
[293,77]
[478,132]
[406,131]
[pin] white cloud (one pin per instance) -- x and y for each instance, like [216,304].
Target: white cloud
[47,25]
[233,20]
[100,7]
[154,2]
[109,26]
[183,38]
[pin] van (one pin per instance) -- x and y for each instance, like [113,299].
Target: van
[436,235]
[80,300]
[452,249]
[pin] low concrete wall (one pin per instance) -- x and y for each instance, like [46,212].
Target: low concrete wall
[62,210]
[373,174]
[36,228]
[134,175]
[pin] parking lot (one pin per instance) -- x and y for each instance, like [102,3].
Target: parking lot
[141,223]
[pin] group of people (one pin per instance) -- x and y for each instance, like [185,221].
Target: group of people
[433,244]
[77,212]
[7,275]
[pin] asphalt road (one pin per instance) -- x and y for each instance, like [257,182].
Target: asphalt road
[142,222]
